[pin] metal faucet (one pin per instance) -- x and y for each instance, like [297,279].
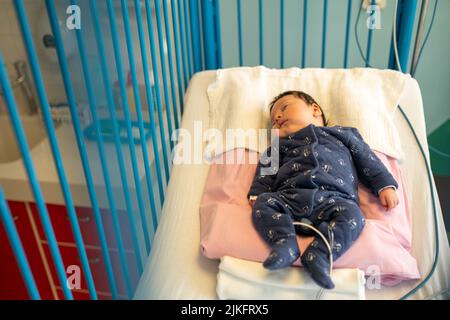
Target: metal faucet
[23,81]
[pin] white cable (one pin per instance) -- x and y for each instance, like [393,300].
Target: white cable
[394,31]
[443,154]
[330,251]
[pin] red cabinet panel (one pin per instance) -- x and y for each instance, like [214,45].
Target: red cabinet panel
[98,269]
[63,230]
[12,285]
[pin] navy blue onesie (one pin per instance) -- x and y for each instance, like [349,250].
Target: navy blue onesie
[316,183]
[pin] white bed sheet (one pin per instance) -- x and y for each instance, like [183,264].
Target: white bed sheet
[176,269]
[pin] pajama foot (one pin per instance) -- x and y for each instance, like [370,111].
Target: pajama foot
[281,256]
[318,265]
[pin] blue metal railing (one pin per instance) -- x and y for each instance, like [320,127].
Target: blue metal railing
[103,158]
[347,32]
[80,142]
[115,128]
[197,45]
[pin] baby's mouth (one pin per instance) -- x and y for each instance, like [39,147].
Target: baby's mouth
[283,123]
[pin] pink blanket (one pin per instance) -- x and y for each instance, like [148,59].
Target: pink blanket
[382,251]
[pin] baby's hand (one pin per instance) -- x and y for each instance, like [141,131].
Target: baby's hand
[388,198]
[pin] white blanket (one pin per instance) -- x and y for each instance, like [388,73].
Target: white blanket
[364,98]
[248,280]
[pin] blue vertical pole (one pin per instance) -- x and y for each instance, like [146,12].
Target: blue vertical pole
[32,57]
[101,150]
[239,17]
[183,33]
[16,245]
[137,99]
[176,115]
[209,34]
[79,139]
[369,38]
[148,89]
[406,11]
[217,30]
[347,32]
[324,32]
[32,178]
[282,33]
[164,72]
[195,34]
[305,26]
[158,87]
[126,111]
[176,40]
[188,36]
[117,144]
[261,34]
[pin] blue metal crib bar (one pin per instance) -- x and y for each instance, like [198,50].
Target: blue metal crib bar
[217,30]
[32,178]
[347,32]
[181,83]
[80,142]
[149,95]
[183,31]
[282,33]
[406,11]
[305,26]
[164,70]
[103,160]
[118,147]
[137,99]
[119,67]
[173,83]
[209,34]
[324,32]
[32,57]
[195,35]
[158,92]
[188,31]
[239,20]
[261,32]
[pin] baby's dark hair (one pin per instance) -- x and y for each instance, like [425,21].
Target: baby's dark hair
[301,95]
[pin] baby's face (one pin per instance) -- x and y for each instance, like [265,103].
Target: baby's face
[291,114]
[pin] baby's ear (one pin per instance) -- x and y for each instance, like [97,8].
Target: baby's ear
[317,110]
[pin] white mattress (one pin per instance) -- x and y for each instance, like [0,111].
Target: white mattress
[176,269]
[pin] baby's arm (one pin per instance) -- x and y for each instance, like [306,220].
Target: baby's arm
[371,171]
[261,182]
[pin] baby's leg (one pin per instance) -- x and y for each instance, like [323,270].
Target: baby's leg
[342,222]
[273,222]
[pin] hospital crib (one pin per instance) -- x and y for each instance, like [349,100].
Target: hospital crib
[125,144]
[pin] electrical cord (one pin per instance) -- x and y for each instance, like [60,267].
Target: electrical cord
[357,37]
[329,246]
[394,34]
[429,173]
[436,229]
[425,39]
[418,58]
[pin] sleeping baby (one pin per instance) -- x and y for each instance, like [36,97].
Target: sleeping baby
[317,184]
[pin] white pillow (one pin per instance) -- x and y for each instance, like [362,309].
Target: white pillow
[364,98]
